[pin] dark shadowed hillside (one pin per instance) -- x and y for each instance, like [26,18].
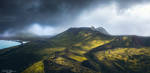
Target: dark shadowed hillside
[80,50]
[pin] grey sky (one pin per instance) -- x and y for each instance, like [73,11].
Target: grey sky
[131,21]
[125,17]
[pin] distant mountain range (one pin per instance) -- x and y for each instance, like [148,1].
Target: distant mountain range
[80,50]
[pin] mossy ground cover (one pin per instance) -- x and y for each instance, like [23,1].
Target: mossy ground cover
[79,51]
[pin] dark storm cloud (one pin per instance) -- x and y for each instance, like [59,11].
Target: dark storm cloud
[123,4]
[20,13]
[16,14]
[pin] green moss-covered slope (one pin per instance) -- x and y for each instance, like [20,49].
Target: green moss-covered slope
[79,50]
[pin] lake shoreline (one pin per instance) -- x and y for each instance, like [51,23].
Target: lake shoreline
[8,43]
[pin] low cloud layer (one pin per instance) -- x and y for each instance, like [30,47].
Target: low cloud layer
[117,16]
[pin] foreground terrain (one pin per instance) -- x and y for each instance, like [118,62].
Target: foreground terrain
[80,50]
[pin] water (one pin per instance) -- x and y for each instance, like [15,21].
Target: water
[7,44]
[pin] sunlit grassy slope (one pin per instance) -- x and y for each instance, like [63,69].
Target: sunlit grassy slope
[124,55]
[129,60]
[79,50]
[38,67]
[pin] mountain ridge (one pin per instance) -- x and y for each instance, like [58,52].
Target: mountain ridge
[79,50]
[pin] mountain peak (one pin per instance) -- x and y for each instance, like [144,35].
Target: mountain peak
[100,29]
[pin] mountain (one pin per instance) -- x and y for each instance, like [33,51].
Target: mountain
[100,29]
[80,50]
